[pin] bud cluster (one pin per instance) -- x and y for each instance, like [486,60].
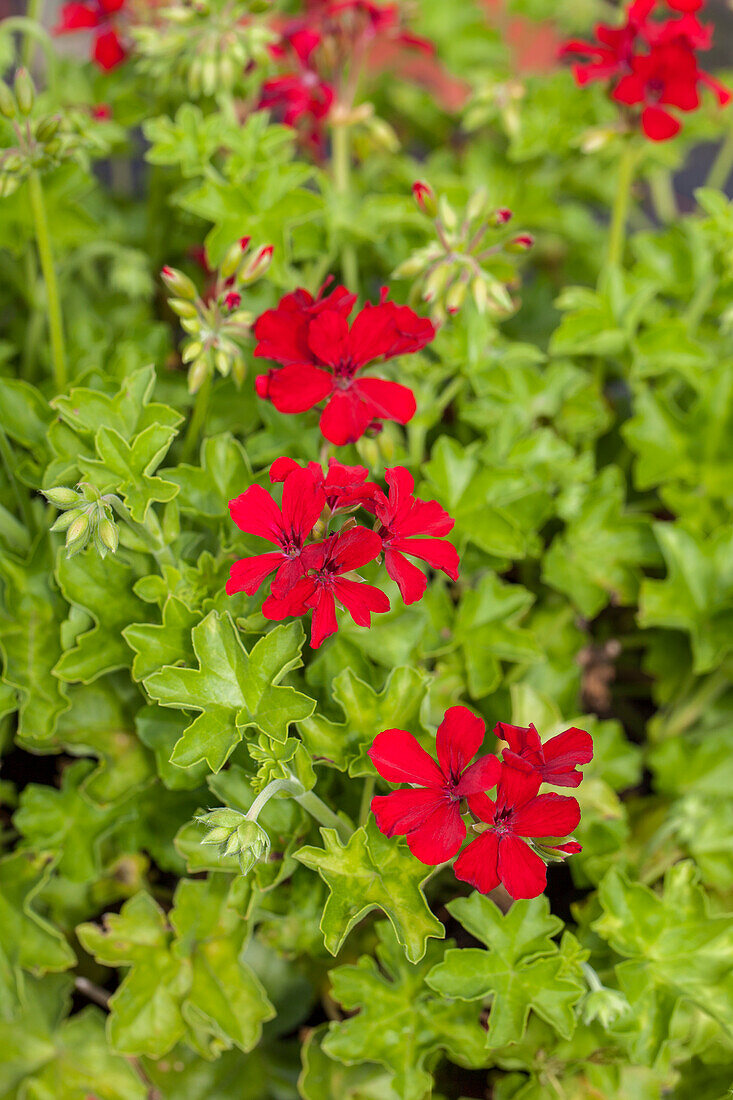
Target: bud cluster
[462,258]
[217,326]
[236,834]
[42,143]
[86,516]
[206,45]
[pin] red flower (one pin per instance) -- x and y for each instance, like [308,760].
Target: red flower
[404,520]
[331,355]
[501,853]
[325,564]
[429,812]
[98,16]
[612,53]
[554,761]
[233,300]
[256,513]
[345,487]
[667,77]
[282,333]
[300,98]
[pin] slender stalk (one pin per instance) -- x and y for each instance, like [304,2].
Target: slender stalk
[21,498]
[45,254]
[34,12]
[324,815]
[366,799]
[198,419]
[150,532]
[688,713]
[661,187]
[722,165]
[341,162]
[617,231]
[275,786]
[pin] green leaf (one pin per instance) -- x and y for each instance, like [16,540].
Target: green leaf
[697,594]
[28,941]
[400,1023]
[186,976]
[522,971]
[224,473]
[159,644]
[125,468]
[488,631]
[30,620]
[233,689]
[325,1079]
[366,712]
[129,410]
[103,588]
[371,872]
[674,950]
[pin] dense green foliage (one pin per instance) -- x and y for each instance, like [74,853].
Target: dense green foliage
[581,441]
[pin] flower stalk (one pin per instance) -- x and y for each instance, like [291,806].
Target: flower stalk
[45,254]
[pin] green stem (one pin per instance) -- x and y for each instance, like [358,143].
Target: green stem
[594,982]
[686,715]
[275,786]
[366,799]
[198,418]
[722,165]
[341,161]
[34,12]
[324,815]
[150,532]
[43,241]
[8,461]
[661,187]
[617,231]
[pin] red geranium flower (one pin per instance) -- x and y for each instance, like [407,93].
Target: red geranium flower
[325,564]
[330,363]
[429,813]
[404,520]
[555,761]
[611,55]
[98,16]
[282,333]
[301,96]
[501,853]
[256,513]
[345,487]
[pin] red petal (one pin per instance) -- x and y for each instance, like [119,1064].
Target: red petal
[573,746]
[327,336]
[345,418]
[303,502]
[354,548]
[571,848]
[247,574]
[298,387]
[388,400]
[410,580]
[108,50]
[483,807]
[659,125]
[324,618]
[630,89]
[437,554]
[460,735]
[281,467]
[478,862]
[360,600]
[404,811]
[519,782]
[400,759]
[295,602]
[523,740]
[440,837]
[723,94]
[77,17]
[256,513]
[479,777]
[282,334]
[547,815]
[520,869]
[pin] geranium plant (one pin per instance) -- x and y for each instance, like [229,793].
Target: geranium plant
[366,600]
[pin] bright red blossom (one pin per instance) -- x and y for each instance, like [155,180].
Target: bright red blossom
[404,522]
[501,854]
[555,761]
[428,814]
[322,359]
[99,16]
[325,584]
[345,487]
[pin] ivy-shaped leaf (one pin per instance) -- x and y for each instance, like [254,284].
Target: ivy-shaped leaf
[233,689]
[224,473]
[400,1022]
[130,409]
[103,588]
[367,712]
[523,969]
[31,614]
[126,468]
[158,644]
[186,977]
[28,940]
[371,872]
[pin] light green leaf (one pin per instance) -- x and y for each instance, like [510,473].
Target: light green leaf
[28,940]
[125,468]
[159,644]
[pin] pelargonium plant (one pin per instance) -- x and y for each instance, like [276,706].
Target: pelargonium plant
[366,661]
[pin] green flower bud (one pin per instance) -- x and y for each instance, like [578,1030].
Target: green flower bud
[234,257]
[236,835]
[604,1005]
[480,294]
[47,128]
[239,370]
[65,520]
[178,283]
[25,92]
[109,535]
[182,307]
[8,106]
[222,362]
[456,296]
[409,268]
[198,373]
[192,351]
[61,497]
[77,535]
[477,203]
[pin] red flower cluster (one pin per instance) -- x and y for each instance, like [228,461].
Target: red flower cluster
[101,17]
[321,358]
[316,575]
[652,64]
[299,98]
[518,831]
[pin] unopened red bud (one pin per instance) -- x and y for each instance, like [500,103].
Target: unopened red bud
[178,283]
[455,297]
[425,198]
[262,386]
[259,264]
[501,216]
[233,259]
[233,300]
[521,243]
[244,243]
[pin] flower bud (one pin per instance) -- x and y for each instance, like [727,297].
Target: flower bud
[178,283]
[61,497]
[25,92]
[239,370]
[236,835]
[447,213]
[456,296]
[47,128]
[480,294]
[233,300]
[8,106]
[425,198]
[409,268]
[436,282]
[198,373]
[259,264]
[604,1005]
[109,535]
[500,216]
[234,257]
[222,362]
[65,520]
[522,243]
[77,535]
[476,203]
[183,308]
[192,351]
